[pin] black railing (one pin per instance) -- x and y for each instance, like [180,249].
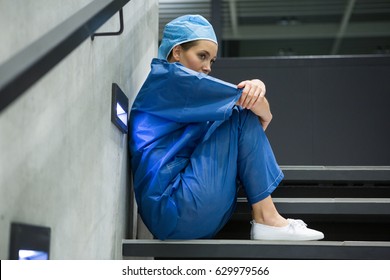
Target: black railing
[32,63]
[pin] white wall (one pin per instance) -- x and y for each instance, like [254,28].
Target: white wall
[63,164]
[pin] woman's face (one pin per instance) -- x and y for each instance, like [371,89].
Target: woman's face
[199,57]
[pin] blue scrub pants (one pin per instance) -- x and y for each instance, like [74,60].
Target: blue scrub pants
[206,191]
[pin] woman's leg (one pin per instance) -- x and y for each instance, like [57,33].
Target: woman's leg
[260,175]
[258,170]
[257,164]
[207,193]
[264,212]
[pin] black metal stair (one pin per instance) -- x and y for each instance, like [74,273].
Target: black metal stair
[351,205]
[248,249]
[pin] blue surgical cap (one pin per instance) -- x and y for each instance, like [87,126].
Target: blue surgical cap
[185,29]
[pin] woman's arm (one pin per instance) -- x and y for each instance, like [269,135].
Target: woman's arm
[253,98]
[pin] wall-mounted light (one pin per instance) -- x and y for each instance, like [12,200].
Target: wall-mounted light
[119,108]
[29,242]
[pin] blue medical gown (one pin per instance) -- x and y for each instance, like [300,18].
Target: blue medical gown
[184,156]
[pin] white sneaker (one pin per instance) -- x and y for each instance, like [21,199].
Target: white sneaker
[296,230]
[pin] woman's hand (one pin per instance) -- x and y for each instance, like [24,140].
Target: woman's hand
[253,98]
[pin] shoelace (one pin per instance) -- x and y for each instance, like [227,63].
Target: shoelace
[297,223]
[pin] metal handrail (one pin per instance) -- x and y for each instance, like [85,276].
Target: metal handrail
[29,65]
[119,32]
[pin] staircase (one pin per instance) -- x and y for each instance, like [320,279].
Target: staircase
[351,205]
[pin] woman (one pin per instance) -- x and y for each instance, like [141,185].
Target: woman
[192,136]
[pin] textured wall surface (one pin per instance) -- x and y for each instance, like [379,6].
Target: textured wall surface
[63,164]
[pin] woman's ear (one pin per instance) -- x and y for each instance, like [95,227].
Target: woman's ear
[176,51]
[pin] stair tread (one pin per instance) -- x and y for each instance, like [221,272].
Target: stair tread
[222,248]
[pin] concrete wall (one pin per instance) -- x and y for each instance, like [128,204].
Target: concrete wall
[63,164]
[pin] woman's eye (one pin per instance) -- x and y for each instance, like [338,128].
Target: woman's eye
[202,56]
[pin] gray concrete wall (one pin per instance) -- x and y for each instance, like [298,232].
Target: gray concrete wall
[63,164]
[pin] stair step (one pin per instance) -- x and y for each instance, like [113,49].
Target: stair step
[326,206]
[337,173]
[249,249]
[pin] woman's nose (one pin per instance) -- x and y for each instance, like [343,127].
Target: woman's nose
[206,68]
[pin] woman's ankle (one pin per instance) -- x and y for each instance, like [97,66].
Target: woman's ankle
[271,220]
[264,212]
